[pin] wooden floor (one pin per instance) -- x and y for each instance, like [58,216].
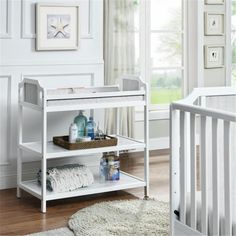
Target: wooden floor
[22,216]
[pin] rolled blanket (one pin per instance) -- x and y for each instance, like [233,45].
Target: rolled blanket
[67,178]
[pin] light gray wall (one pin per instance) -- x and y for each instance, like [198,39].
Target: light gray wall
[18,58]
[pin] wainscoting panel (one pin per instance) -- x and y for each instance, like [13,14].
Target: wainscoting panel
[5,18]
[18,59]
[20,49]
[52,76]
[5,103]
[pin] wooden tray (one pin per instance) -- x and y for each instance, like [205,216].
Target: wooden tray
[63,141]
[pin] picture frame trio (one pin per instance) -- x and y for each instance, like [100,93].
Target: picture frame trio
[214,25]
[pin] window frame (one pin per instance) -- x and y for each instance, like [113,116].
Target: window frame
[145,33]
[228,50]
[233,65]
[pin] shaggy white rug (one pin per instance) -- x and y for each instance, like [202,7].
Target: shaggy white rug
[122,218]
[117,218]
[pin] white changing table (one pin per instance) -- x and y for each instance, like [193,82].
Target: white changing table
[130,93]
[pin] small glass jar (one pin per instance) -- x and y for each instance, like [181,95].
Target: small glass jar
[109,167]
[103,168]
[113,167]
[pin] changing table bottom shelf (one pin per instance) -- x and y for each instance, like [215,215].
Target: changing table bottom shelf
[126,182]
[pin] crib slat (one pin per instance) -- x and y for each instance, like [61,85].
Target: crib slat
[204,210]
[215,176]
[227,179]
[193,171]
[182,169]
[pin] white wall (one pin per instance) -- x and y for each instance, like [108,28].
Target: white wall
[197,75]
[18,58]
[215,77]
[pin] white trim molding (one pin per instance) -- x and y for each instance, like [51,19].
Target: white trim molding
[159,143]
[200,43]
[91,74]
[89,34]
[9,180]
[8,33]
[6,161]
[155,144]
[153,115]
[228,48]
[24,33]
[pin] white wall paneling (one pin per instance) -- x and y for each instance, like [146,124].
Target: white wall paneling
[28,18]
[214,76]
[66,75]
[228,48]
[5,103]
[28,30]
[5,19]
[88,33]
[20,50]
[18,58]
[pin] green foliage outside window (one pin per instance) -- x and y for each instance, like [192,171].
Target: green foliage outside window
[166,87]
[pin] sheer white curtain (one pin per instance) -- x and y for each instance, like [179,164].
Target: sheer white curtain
[119,55]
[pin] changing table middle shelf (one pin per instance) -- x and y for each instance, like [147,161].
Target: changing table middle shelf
[54,151]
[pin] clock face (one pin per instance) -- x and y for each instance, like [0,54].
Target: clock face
[58,26]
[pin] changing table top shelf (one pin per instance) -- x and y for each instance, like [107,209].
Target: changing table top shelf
[34,94]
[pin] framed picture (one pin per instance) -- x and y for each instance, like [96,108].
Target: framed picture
[214,56]
[214,24]
[214,2]
[57,27]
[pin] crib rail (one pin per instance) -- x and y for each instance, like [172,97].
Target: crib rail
[184,117]
[228,116]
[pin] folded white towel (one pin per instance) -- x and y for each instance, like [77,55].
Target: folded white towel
[68,178]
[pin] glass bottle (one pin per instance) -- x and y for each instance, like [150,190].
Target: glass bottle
[90,128]
[81,122]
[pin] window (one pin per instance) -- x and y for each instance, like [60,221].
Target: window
[233,42]
[160,54]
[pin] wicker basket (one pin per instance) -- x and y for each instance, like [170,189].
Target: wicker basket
[63,141]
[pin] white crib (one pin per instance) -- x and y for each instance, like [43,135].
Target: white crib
[203,163]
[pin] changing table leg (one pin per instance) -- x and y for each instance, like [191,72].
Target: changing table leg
[43,206]
[117,125]
[19,172]
[44,160]
[43,185]
[19,151]
[146,150]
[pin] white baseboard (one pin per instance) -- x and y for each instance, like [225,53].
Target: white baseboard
[159,143]
[7,181]
[10,180]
